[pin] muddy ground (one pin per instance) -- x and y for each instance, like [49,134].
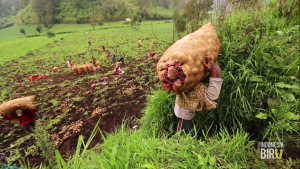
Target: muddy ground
[122,98]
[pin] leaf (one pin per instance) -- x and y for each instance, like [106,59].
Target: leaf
[212,161]
[280,61]
[285,107]
[294,91]
[148,166]
[263,39]
[294,86]
[279,33]
[274,111]
[272,102]
[289,97]
[262,116]
[270,60]
[282,85]
[255,78]
[291,116]
[200,159]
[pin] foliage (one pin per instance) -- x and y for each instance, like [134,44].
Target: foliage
[93,21]
[135,149]
[45,23]
[75,11]
[50,34]
[100,20]
[180,23]
[39,28]
[45,143]
[23,31]
[160,116]
[196,10]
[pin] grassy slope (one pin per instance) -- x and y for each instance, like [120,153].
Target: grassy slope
[14,45]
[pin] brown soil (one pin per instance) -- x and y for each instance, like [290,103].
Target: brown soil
[124,99]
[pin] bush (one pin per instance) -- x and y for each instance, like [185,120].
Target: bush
[39,28]
[28,36]
[50,34]
[159,112]
[7,25]
[23,31]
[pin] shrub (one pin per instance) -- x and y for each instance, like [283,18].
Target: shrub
[50,34]
[23,31]
[39,28]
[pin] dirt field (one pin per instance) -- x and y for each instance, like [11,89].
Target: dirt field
[123,98]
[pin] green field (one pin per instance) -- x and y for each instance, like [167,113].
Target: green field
[14,45]
[84,127]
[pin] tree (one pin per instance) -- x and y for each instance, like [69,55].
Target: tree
[35,18]
[142,4]
[43,20]
[39,28]
[175,6]
[49,19]
[92,20]
[50,34]
[196,10]
[139,19]
[175,17]
[180,24]
[108,10]
[120,9]
[22,31]
[38,6]
[100,20]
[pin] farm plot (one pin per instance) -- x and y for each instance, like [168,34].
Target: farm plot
[67,105]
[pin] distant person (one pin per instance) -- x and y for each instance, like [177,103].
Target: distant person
[61,39]
[121,60]
[24,117]
[3,159]
[69,65]
[103,49]
[4,162]
[113,59]
[99,83]
[151,54]
[90,43]
[118,70]
[139,43]
[107,54]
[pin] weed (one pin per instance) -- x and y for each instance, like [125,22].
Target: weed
[77,98]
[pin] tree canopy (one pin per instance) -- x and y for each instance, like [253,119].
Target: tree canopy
[48,12]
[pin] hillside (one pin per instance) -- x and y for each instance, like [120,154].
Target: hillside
[21,12]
